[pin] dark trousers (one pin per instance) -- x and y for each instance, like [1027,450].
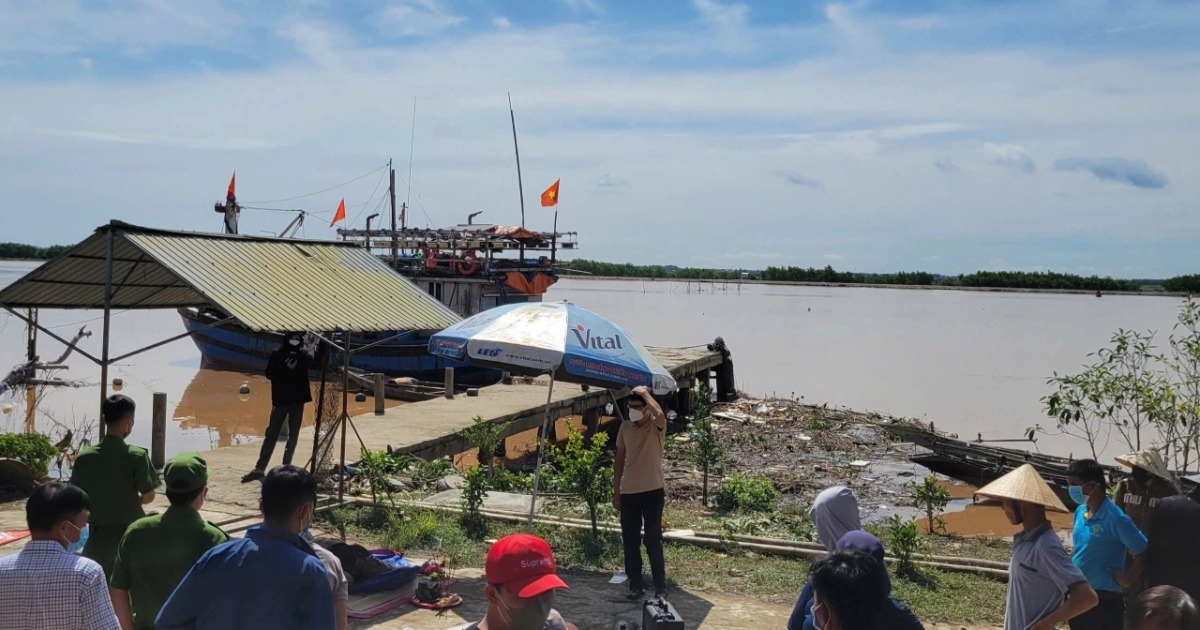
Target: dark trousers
[1109,614]
[643,509]
[293,414]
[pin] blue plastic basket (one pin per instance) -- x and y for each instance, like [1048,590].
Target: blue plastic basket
[401,573]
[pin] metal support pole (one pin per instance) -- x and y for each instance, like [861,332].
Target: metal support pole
[108,289]
[158,432]
[537,472]
[448,385]
[345,419]
[380,392]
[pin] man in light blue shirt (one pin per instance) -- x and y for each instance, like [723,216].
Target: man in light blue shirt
[1102,535]
[269,580]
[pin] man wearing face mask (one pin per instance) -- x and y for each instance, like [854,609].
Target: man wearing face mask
[118,478]
[1044,588]
[269,580]
[638,492]
[850,591]
[47,584]
[287,369]
[1102,536]
[521,581]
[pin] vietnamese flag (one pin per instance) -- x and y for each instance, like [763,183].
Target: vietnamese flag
[232,186]
[550,197]
[340,214]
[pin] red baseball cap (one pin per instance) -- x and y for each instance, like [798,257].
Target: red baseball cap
[524,564]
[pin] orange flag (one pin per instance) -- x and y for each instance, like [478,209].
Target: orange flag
[340,214]
[550,197]
[232,185]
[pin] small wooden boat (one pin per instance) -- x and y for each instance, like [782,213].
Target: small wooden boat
[406,389]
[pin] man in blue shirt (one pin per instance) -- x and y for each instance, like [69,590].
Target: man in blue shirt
[269,580]
[1102,535]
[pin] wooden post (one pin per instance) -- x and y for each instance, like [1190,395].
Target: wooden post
[449,384]
[380,393]
[158,432]
[31,355]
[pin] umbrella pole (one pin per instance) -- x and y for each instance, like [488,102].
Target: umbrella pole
[537,472]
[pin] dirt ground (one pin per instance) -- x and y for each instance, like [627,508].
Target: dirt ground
[594,604]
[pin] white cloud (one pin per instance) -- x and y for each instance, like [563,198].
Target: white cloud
[832,257]
[1011,156]
[501,22]
[416,18]
[727,23]
[590,6]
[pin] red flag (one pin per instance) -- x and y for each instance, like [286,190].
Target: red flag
[232,185]
[340,214]
[550,197]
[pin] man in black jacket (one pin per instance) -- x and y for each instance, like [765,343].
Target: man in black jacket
[287,369]
[1173,555]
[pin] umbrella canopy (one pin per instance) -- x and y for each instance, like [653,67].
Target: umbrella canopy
[573,343]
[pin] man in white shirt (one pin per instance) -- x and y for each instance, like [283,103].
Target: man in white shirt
[48,584]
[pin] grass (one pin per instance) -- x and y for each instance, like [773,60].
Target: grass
[424,533]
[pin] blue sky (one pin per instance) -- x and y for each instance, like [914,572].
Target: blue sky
[875,136]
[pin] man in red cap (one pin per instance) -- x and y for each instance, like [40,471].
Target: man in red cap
[520,586]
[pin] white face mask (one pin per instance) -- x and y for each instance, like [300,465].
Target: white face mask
[636,415]
[294,342]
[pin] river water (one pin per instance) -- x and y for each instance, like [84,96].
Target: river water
[971,362]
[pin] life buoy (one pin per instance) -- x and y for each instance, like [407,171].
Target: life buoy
[469,265]
[431,256]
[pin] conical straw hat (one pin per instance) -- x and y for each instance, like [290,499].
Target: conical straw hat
[1023,484]
[1148,459]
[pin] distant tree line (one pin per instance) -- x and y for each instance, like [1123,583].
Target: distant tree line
[31,252]
[1183,284]
[981,279]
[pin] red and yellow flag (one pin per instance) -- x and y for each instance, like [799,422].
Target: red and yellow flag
[340,214]
[232,186]
[550,197]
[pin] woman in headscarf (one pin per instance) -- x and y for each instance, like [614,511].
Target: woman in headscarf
[834,512]
[893,616]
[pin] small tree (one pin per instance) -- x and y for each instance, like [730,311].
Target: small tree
[904,541]
[931,497]
[474,491]
[580,472]
[1183,365]
[706,449]
[488,436]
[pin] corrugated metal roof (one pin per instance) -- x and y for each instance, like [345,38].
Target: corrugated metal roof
[267,284]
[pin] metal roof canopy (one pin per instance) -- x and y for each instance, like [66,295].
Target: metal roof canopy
[267,284]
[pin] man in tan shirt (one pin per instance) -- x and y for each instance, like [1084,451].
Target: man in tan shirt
[638,490]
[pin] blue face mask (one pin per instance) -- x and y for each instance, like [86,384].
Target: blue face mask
[1077,494]
[78,545]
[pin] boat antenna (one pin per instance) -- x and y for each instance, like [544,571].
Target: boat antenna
[517,150]
[392,195]
[412,140]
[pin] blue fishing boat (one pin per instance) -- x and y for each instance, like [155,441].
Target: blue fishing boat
[468,267]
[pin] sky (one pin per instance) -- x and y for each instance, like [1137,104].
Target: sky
[871,136]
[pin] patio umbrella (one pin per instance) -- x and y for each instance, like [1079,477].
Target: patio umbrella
[565,341]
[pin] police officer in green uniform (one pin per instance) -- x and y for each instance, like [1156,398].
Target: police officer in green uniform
[119,480]
[158,550]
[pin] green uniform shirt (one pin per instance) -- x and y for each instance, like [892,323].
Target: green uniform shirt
[155,554]
[115,475]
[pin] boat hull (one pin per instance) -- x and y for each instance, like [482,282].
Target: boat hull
[233,347]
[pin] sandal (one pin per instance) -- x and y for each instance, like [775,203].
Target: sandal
[253,475]
[636,594]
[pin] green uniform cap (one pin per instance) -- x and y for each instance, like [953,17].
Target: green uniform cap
[186,472]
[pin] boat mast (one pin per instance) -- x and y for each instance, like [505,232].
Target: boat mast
[392,194]
[517,150]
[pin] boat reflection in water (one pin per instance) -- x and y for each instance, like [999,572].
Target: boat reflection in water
[211,404]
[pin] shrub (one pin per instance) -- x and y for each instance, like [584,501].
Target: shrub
[32,449]
[904,541]
[932,497]
[748,494]
[580,471]
[474,491]
[488,436]
[706,449]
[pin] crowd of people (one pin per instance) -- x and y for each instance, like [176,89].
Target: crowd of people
[96,561]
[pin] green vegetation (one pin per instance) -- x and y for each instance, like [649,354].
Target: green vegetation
[488,436]
[937,596]
[706,449]
[904,540]
[32,449]
[932,497]
[474,491]
[579,472]
[1136,392]
[30,252]
[753,493]
[1047,280]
